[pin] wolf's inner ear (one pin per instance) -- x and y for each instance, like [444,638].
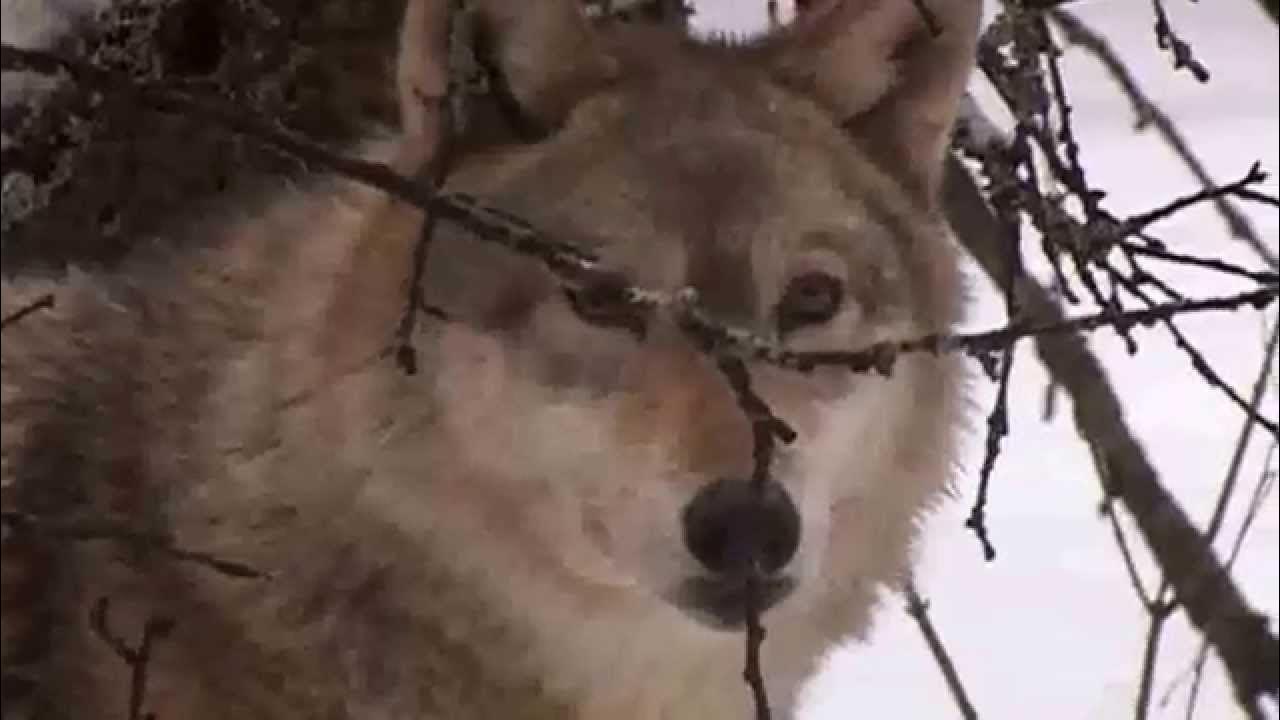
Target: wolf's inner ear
[544,54]
[893,75]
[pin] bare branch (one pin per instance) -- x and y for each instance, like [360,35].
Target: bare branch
[1214,605]
[1088,243]
[1148,113]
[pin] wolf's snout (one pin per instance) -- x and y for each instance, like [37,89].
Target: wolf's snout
[729,526]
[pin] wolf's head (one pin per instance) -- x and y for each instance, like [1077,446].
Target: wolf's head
[790,182]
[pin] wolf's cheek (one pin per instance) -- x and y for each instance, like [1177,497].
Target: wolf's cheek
[471,379]
[840,444]
[635,532]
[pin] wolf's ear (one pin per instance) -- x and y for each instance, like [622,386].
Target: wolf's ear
[892,70]
[543,53]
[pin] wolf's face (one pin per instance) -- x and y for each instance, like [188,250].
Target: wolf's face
[599,433]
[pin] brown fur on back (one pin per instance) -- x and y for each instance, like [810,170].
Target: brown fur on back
[495,535]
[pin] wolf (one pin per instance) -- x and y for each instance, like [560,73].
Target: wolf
[546,519]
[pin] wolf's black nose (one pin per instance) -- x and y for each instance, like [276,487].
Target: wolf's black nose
[731,526]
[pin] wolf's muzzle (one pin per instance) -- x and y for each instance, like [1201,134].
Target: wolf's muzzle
[735,529]
[743,537]
[721,603]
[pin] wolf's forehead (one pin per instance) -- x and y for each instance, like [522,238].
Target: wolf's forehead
[715,137]
[695,88]
[712,208]
[713,185]
[691,170]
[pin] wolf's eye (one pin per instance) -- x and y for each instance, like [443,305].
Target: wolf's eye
[605,303]
[810,299]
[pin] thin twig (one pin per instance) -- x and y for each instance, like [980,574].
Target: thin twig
[754,637]
[137,658]
[433,174]
[999,365]
[1169,40]
[1159,612]
[44,302]
[1254,176]
[765,425]
[918,609]
[1246,434]
[997,429]
[766,428]
[1265,485]
[1261,198]
[1198,361]
[1007,211]
[880,356]
[1222,266]
[1122,544]
[1066,133]
[88,530]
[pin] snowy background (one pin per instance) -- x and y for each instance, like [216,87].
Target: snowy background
[1052,629]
